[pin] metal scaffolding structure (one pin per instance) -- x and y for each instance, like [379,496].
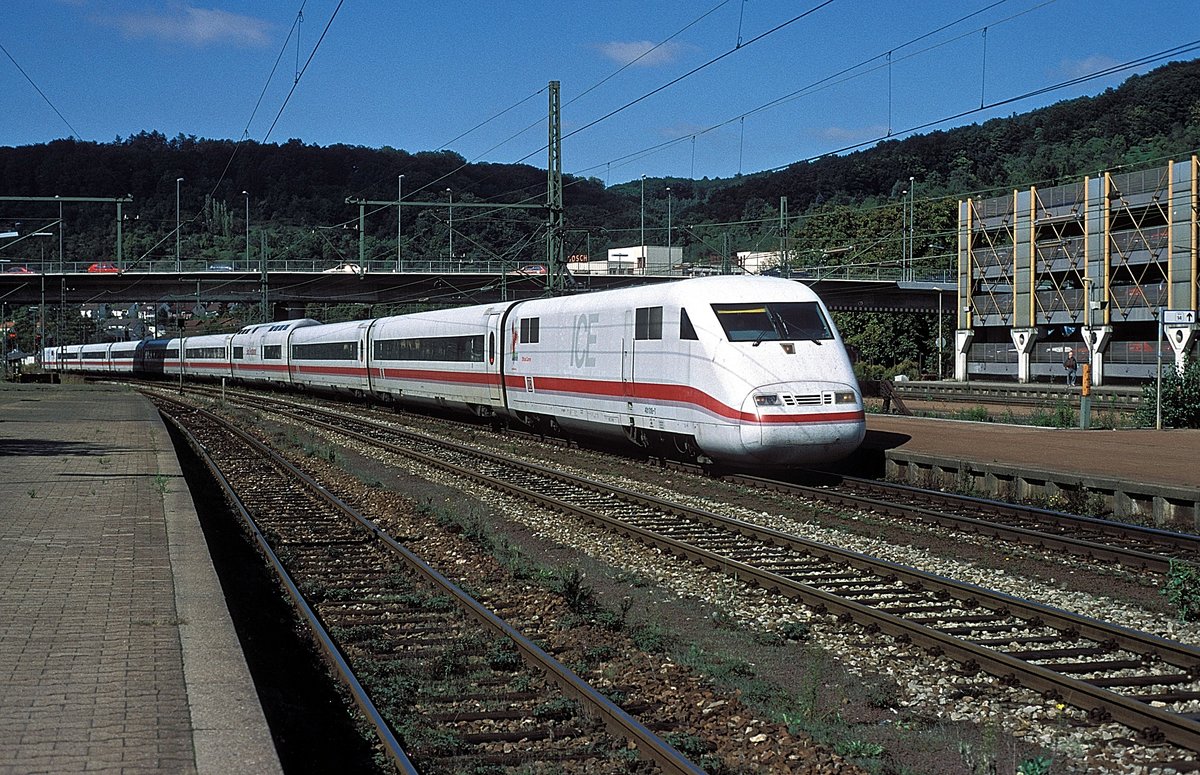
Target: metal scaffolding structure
[1089,267]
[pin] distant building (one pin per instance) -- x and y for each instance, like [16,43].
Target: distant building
[757,262]
[1084,268]
[645,260]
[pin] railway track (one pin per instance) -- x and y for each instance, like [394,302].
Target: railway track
[414,651]
[1149,684]
[1106,541]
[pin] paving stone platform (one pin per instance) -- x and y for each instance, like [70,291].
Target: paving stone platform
[116,651]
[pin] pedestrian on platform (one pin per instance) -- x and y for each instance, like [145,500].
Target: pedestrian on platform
[1070,365]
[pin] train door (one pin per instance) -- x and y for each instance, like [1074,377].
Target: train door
[364,359]
[368,338]
[627,355]
[493,356]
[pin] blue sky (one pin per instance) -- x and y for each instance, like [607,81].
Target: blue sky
[418,75]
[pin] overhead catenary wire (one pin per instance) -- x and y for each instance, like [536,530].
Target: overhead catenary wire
[780,100]
[841,76]
[41,93]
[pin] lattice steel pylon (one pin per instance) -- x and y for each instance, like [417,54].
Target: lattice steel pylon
[555,234]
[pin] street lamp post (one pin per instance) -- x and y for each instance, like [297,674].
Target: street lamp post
[60,236]
[643,208]
[670,256]
[41,336]
[247,195]
[941,340]
[912,226]
[451,195]
[177,263]
[399,223]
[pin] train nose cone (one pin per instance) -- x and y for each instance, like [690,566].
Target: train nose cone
[789,435]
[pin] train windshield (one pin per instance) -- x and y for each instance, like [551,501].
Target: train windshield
[773,321]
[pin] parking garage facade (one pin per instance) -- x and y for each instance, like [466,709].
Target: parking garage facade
[1089,268]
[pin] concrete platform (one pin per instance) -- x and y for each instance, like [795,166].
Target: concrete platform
[1144,474]
[117,653]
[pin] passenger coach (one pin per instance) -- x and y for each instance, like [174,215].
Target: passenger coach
[740,370]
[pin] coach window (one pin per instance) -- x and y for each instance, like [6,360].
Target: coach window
[686,329]
[237,353]
[529,330]
[325,351]
[206,353]
[272,352]
[647,323]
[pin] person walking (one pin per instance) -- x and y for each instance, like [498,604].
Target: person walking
[1070,364]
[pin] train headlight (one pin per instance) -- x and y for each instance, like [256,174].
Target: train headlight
[846,397]
[766,399]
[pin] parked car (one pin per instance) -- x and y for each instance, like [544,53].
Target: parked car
[221,268]
[18,270]
[103,267]
[530,270]
[345,269]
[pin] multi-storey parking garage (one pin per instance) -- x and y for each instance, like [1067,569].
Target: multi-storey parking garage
[1091,268]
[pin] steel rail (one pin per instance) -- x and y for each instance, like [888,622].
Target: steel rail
[1153,723]
[1187,545]
[333,655]
[616,720]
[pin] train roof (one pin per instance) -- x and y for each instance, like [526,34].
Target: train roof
[696,290]
[283,325]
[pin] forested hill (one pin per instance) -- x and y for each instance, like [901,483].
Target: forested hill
[297,188]
[1147,119]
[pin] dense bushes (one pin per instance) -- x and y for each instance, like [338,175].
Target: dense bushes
[1180,398]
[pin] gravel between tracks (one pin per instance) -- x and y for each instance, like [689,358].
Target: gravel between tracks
[923,684]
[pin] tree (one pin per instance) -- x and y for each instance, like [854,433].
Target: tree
[1180,398]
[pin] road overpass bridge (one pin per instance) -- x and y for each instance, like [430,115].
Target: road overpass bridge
[289,289]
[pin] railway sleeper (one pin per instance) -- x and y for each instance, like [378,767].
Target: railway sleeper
[1081,651]
[516,758]
[1167,697]
[518,736]
[936,622]
[1140,680]
[905,610]
[1095,667]
[1020,641]
[965,632]
[512,696]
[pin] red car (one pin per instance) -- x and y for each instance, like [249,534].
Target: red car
[530,270]
[103,267]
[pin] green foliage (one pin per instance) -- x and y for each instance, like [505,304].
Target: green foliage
[558,708]
[893,341]
[1039,765]
[688,744]
[1180,398]
[973,414]
[797,631]
[650,637]
[578,594]
[1182,590]
[859,749]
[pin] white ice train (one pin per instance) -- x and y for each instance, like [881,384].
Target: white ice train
[744,371]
